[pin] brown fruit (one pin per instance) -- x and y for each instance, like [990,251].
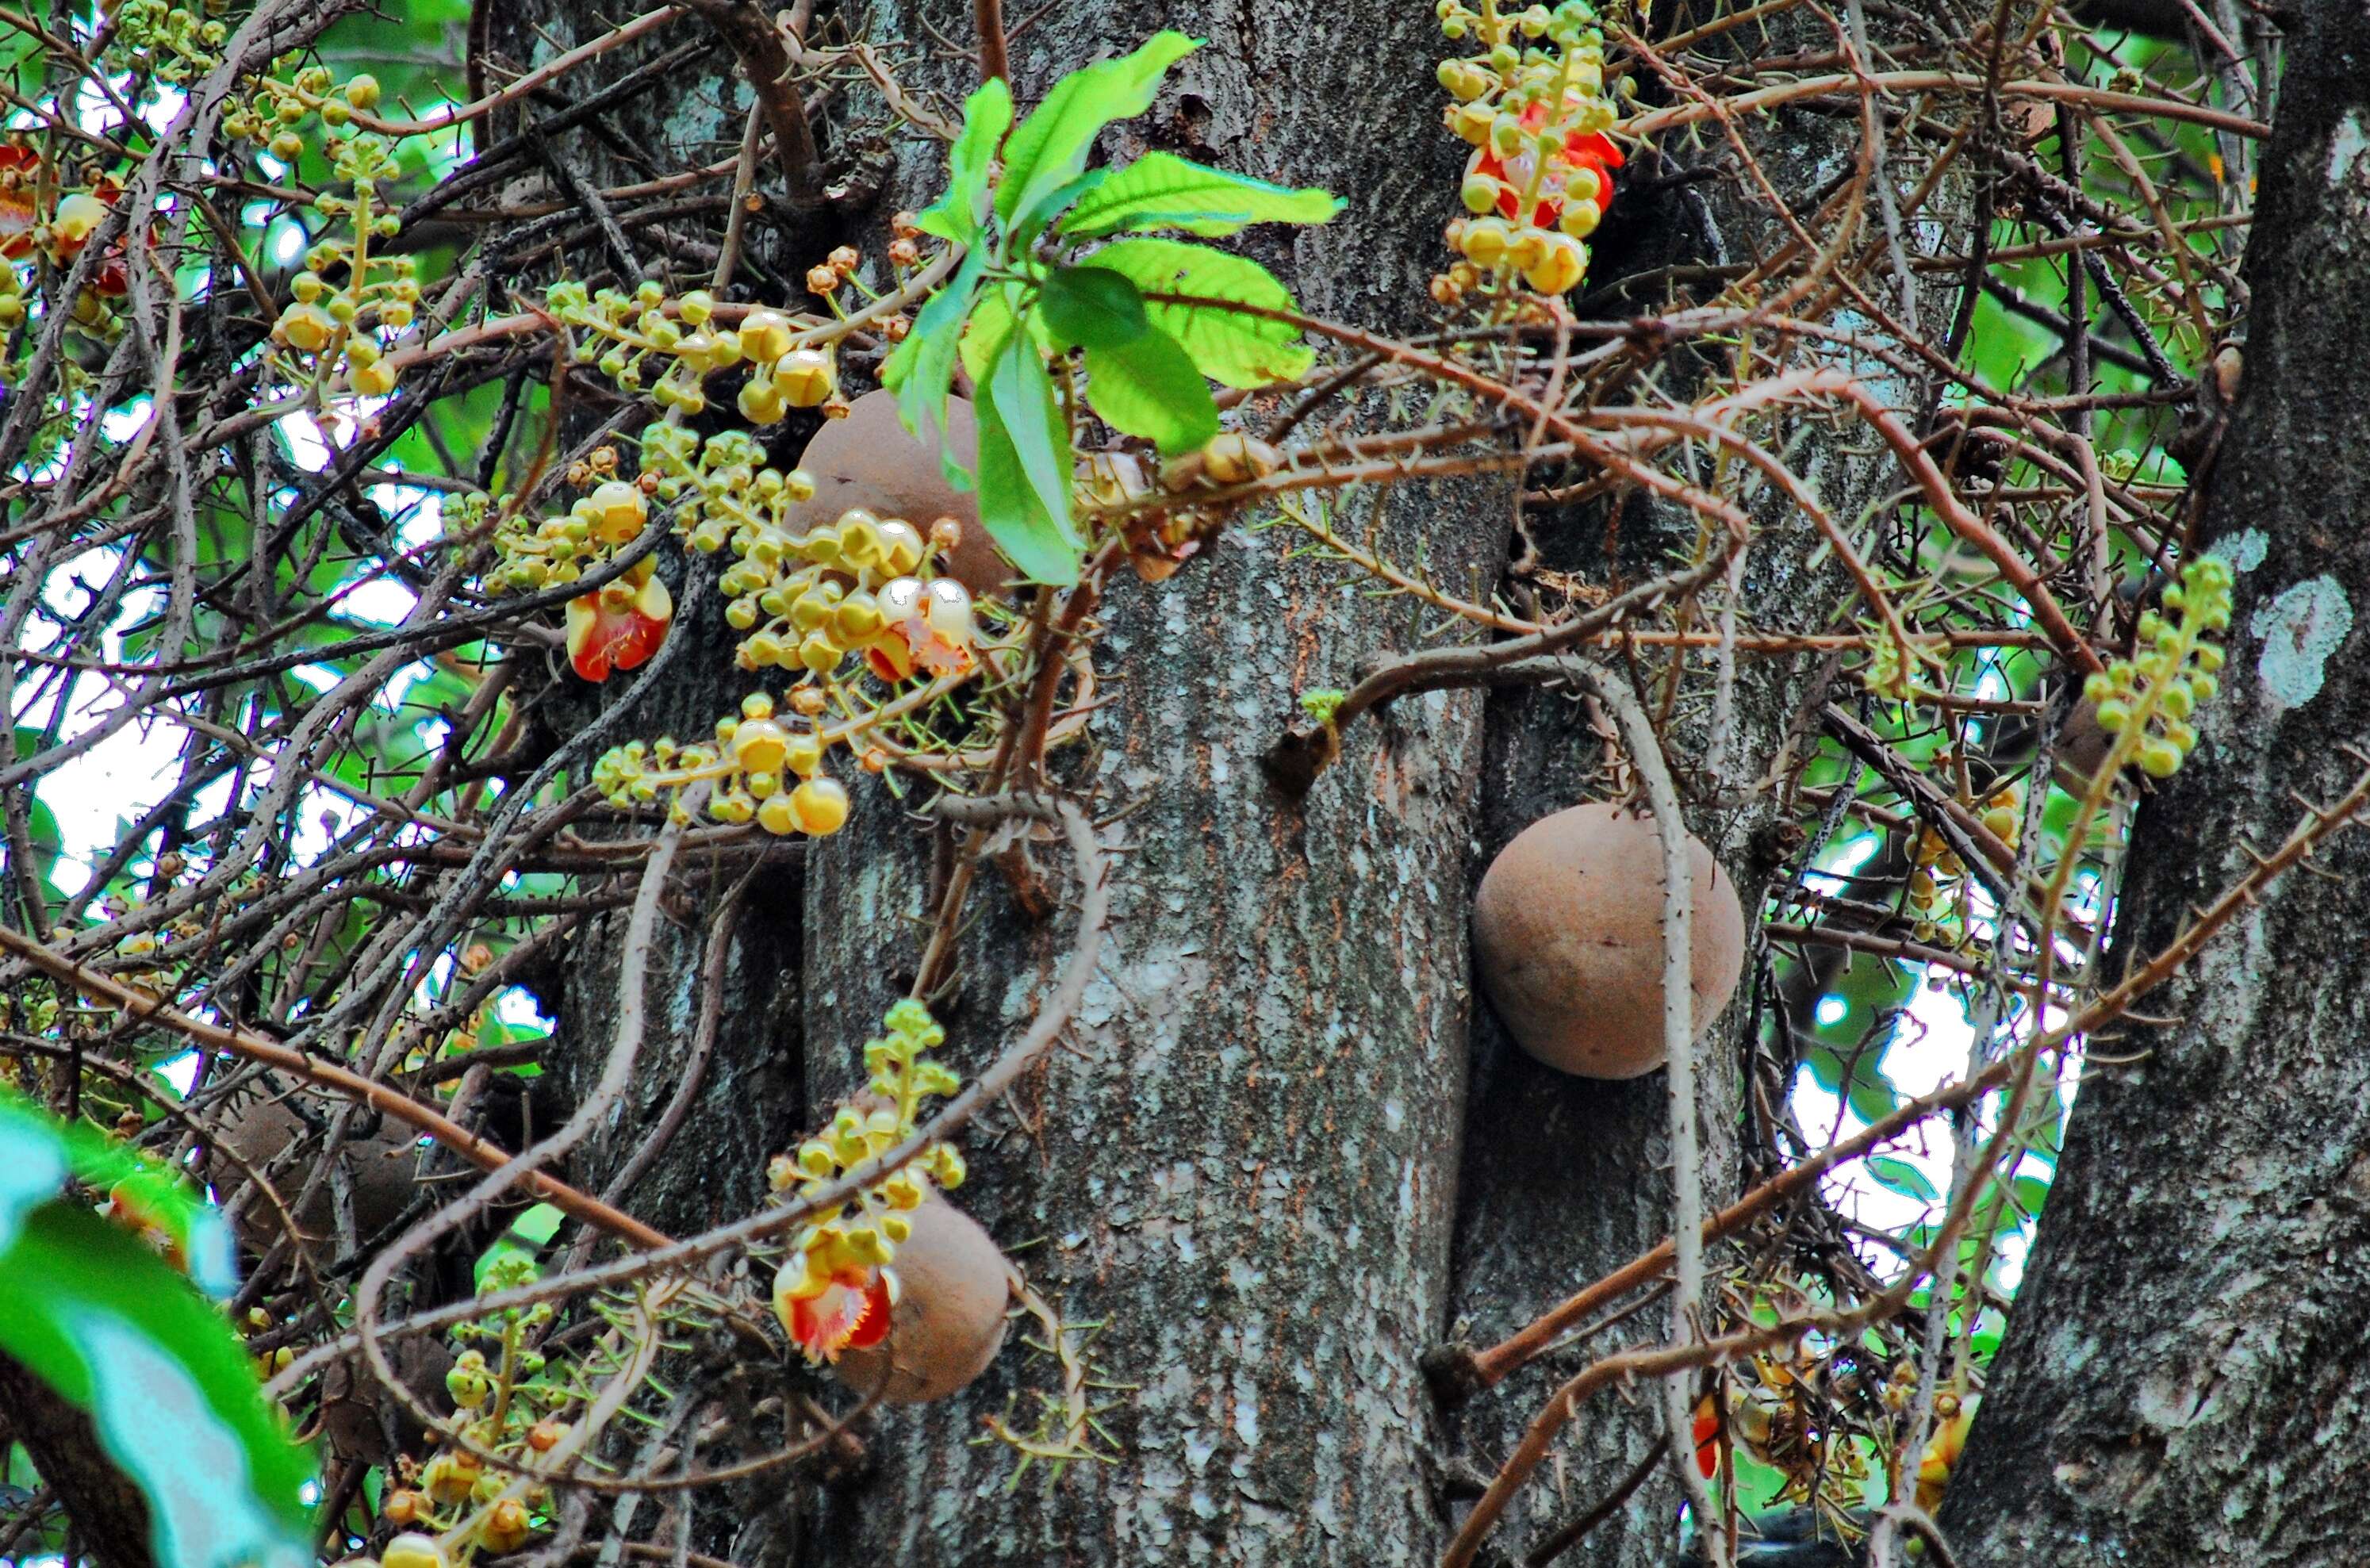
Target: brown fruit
[949,1322]
[2082,747]
[868,459]
[351,1398]
[1567,934]
[258,1129]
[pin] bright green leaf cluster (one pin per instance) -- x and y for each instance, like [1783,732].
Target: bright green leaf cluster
[1151,321]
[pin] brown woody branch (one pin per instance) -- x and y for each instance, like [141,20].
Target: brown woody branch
[753,38]
[480,1152]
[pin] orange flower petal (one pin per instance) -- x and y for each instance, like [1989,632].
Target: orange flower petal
[601,639]
[1592,151]
[850,1313]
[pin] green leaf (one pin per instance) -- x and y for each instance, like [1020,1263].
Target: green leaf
[1091,307]
[526,1235]
[1031,221]
[1150,388]
[991,322]
[1162,190]
[1025,465]
[922,371]
[1903,1177]
[39,1152]
[960,214]
[95,1312]
[1032,419]
[1239,349]
[1051,147]
[1870,1094]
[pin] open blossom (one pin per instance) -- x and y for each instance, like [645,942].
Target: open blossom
[847,1309]
[1587,150]
[929,626]
[620,624]
[70,221]
[19,168]
[1706,1436]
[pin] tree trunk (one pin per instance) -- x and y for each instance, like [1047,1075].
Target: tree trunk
[2183,1379]
[1248,1159]
[1244,1159]
[108,1512]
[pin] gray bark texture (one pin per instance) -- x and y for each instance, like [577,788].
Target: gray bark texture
[1244,1160]
[1283,1151]
[2183,1379]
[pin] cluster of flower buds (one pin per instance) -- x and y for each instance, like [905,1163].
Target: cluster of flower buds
[277,108]
[763,770]
[559,549]
[1532,103]
[455,1484]
[619,624]
[784,375]
[1939,869]
[1780,1412]
[2145,701]
[827,278]
[174,44]
[675,347]
[145,967]
[259,1325]
[859,585]
[506,1406]
[834,1291]
[36,1013]
[351,325]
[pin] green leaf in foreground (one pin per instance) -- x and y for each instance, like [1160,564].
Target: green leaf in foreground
[1149,386]
[93,1311]
[922,370]
[1091,307]
[1238,348]
[1051,147]
[39,1153]
[959,213]
[1025,465]
[1161,190]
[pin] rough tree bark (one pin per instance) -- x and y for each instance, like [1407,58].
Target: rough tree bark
[2183,1379]
[1251,1160]
[1245,1161]
[1250,1163]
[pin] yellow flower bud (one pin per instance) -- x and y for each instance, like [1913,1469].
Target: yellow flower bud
[805,377]
[821,805]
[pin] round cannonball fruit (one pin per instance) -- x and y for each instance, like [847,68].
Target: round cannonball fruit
[948,1320]
[1568,935]
[869,460]
[352,1400]
[2082,748]
[258,1129]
